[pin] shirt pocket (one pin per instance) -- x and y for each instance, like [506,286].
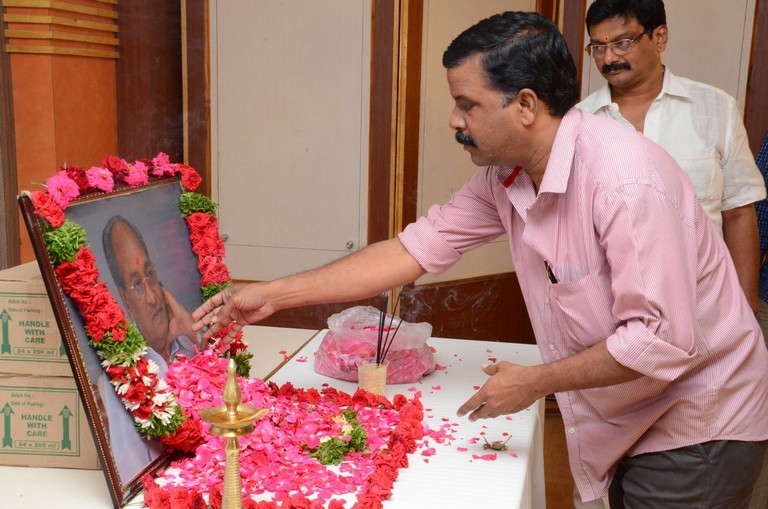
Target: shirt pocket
[583,309]
[702,165]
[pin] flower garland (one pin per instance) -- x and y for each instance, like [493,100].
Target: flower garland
[278,463]
[119,344]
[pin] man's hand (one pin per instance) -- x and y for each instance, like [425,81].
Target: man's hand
[180,320]
[239,304]
[510,388]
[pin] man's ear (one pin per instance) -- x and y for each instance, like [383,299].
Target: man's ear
[529,105]
[660,37]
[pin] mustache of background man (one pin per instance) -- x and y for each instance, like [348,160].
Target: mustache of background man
[465,139]
[618,66]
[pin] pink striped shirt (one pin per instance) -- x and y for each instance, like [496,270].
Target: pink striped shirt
[637,264]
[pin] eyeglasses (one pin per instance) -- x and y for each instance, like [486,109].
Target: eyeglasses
[138,287]
[619,48]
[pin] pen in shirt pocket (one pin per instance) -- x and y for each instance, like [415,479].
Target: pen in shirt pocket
[550,274]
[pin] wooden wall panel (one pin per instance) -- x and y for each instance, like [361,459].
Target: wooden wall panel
[149,79]
[756,111]
[9,215]
[63,89]
[197,108]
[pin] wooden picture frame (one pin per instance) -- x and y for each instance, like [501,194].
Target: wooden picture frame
[154,212]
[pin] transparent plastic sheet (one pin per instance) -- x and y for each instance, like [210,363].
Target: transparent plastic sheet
[352,339]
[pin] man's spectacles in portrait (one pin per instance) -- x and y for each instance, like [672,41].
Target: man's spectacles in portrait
[138,286]
[619,48]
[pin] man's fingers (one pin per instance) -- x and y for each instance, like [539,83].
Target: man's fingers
[491,369]
[207,306]
[480,412]
[472,403]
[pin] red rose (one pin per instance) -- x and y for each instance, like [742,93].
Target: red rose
[187,437]
[136,393]
[214,497]
[156,497]
[77,174]
[366,501]
[212,271]
[182,499]
[118,167]
[200,222]
[209,245]
[144,411]
[190,179]
[117,373]
[47,209]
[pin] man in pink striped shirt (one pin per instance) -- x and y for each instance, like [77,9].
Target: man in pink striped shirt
[656,359]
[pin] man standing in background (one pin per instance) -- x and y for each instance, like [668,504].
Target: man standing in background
[699,125]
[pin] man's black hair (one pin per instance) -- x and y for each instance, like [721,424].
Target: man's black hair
[649,13]
[520,50]
[109,251]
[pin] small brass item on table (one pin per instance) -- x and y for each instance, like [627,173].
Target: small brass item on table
[231,420]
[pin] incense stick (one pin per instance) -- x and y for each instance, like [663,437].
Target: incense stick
[382,321]
[388,341]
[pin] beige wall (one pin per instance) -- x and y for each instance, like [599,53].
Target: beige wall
[444,166]
[290,87]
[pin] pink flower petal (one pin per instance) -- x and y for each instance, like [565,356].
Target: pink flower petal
[485,457]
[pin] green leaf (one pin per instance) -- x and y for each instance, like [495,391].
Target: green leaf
[64,242]
[243,363]
[358,439]
[121,352]
[158,429]
[190,203]
[212,289]
[330,452]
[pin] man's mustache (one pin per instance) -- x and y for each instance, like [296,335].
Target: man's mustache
[465,139]
[618,66]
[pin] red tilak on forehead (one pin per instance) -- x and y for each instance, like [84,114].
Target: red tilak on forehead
[605,38]
[136,261]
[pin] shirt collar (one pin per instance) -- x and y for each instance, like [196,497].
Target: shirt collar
[559,165]
[508,174]
[561,155]
[671,85]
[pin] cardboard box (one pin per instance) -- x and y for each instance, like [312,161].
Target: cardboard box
[43,424]
[42,419]
[30,342]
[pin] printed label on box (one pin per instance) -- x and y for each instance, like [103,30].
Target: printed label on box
[40,421]
[28,332]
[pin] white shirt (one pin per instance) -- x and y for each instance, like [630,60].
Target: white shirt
[701,127]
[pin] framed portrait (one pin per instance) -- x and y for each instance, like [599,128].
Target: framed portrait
[141,246]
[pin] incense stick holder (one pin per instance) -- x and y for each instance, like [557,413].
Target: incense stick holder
[372,377]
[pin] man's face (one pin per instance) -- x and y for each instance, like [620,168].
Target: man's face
[485,128]
[141,292]
[636,66]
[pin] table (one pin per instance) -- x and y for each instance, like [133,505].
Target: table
[452,478]
[449,478]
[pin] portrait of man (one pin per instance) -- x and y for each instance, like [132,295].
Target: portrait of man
[141,246]
[165,325]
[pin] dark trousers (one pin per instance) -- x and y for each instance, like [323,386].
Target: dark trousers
[712,475]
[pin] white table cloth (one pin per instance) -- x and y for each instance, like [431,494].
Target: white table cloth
[449,478]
